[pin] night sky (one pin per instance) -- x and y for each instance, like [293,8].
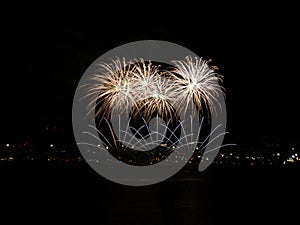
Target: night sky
[256,49]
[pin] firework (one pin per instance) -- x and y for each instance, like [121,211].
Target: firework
[196,83]
[160,99]
[145,77]
[112,88]
[141,112]
[153,90]
[144,89]
[134,86]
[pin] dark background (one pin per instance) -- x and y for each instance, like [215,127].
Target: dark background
[45,50]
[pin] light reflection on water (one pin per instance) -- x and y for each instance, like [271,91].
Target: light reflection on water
[69,196]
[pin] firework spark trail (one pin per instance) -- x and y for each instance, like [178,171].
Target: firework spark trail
[208,136]
[155,92]
[142,89]
[137,131]
[197,82]
[144,78]
[179,143]
[134,86]
[101,134]
[151,139]
[160,99]
[112,88]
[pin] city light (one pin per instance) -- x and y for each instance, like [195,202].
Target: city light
[263,154]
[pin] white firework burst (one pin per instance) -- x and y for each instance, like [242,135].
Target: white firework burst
[196,83]
[142,88]
[112,88]
[135,86]
[145,78]
[155,93]
[159,99]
